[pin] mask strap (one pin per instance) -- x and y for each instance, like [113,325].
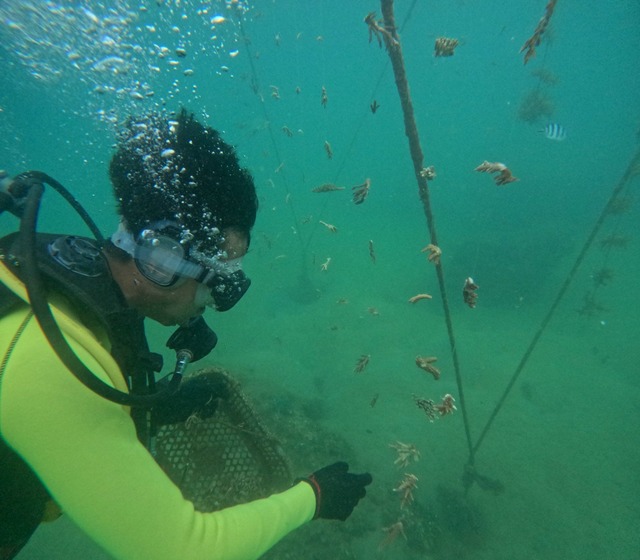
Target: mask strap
[123,239]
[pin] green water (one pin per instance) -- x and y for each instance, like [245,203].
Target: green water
[564,444]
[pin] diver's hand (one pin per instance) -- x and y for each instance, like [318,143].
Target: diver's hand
[337,490]
[195,336]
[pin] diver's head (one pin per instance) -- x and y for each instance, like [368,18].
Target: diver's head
[186,205]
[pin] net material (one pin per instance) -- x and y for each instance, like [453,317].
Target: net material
[226,459]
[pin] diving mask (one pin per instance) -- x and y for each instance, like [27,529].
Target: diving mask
[164,256]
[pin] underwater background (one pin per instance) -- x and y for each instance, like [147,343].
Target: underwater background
[558,470]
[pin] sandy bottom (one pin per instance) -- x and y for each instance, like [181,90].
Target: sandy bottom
[564,445]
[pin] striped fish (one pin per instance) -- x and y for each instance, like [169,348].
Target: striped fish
[555,131]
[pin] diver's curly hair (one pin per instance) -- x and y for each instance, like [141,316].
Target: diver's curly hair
[179,170]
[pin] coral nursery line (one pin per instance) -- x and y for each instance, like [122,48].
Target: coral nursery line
[385,32]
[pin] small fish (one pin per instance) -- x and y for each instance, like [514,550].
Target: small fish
[374,400]
[372,252]
[324,98]
[555,131]
[374,106]
[328,149]
[327,187]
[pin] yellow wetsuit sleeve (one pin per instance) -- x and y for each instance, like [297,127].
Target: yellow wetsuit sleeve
[85,450]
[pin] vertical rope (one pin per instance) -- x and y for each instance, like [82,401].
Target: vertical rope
[274,144]
[633,170]
[411,130]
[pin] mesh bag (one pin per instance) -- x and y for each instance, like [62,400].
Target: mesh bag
[226,459]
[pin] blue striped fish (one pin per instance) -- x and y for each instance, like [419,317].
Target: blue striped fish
[555,131]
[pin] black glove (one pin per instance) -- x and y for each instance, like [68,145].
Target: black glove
[198,395]
[337,491]
[195,336]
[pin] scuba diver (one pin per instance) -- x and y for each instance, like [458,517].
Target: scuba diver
[79,401]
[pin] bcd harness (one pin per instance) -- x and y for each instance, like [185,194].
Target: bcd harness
[76,268]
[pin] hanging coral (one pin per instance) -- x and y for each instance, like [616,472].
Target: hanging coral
[534,106]
[532,42]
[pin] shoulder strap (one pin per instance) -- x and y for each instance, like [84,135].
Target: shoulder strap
[76,268]
[8,300]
